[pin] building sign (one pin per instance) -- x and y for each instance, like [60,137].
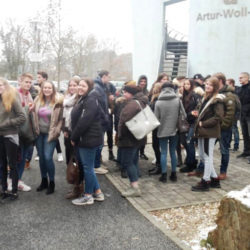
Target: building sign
[226,13]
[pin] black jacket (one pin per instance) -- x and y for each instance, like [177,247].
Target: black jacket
[244,96]
[86,123]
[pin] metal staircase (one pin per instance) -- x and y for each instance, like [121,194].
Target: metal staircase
[174,53]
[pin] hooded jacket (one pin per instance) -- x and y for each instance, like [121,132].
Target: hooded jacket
[167,111]
[131,108]
[229,106]
[86,123]
[211,115]
[102,96]
[244,96]
[145,90]
[56,118]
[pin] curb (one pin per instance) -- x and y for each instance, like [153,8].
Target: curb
[157,224]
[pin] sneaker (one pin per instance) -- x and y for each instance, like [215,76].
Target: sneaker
[13,196]
[101,170]
[84,200]
[132,192]
[60,157]
[99,197]
[23,187]
[37,158]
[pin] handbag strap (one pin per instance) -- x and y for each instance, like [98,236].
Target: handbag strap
[139,104]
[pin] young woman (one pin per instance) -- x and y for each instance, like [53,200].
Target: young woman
[208,129]
[48,121]
[87,137]
[167,111]
[190,102]
[155,140]
[128,144]
[11,117]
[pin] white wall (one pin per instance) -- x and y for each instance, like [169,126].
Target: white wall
[218,42]
[148,35]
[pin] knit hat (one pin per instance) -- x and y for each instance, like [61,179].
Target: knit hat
[131,89]
[130,83]
[168,85]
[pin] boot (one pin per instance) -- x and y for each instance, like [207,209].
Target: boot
[75,193]
[156,171]
[173,177]
[215,183]
[188,168]
[124,173]
[111,155]
[43,185]
[163,178]
[201,186]
[51,187]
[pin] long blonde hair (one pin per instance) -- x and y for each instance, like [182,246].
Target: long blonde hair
[9,95]
[156,91]
[42,98]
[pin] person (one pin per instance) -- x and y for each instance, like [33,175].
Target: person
[11,117]
[199,81]
[235,130]
[227,123]
[42,77]
[190,102]
[155,140]
[167,111]
[101,89]
[128,144]
[162,78]
[87,136]
[208,130]
[143,84]
[244,96]
[26,144]
[48,122]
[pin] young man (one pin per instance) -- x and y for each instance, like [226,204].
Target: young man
[101,88]
[244,96]
[227,122]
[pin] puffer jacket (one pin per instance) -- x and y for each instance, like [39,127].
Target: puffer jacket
[229,106]
[167,111]
[125,137]
[211,115]
[56,118]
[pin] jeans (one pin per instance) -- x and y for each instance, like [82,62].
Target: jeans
[190,160]
[98,156]
[8,156]
[235,133]
[129,161]
[45,151]
[206,150]
[87,156]
[25,150]
[156,146]
[172,141]
[225,139]
[30,153]
[245,126]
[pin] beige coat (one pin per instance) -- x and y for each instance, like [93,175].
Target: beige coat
[56,118]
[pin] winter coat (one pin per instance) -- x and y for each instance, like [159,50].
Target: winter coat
[244,96]
[125,137]
[229,106]
[211,116]
[167,111]
[193,103]
[120,103]
[102,95]
[86,122]
[56,118]
[11,121]
[145,90]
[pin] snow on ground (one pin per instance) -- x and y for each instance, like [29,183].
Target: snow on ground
[243,196]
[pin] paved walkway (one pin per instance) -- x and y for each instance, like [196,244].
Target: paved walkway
[157,195]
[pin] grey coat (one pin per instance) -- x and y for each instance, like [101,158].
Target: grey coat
[167,111]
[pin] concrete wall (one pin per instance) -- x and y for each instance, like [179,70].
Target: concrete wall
[148,37]
[219,37]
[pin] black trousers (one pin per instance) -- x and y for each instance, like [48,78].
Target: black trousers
[69,149]
[156,146]
[245,127]
[110,133]
[58,147]
[8,156]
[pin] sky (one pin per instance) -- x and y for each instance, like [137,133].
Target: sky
[106,19]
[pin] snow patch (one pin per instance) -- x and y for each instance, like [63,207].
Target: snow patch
[243,196]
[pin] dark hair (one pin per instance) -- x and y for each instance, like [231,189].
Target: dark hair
[89,82]
[188,93]
[103,73]
[167,85]
[232,81]
[159,78]
[43,74]
[221,77]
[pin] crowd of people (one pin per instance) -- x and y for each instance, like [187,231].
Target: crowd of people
[35,114]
